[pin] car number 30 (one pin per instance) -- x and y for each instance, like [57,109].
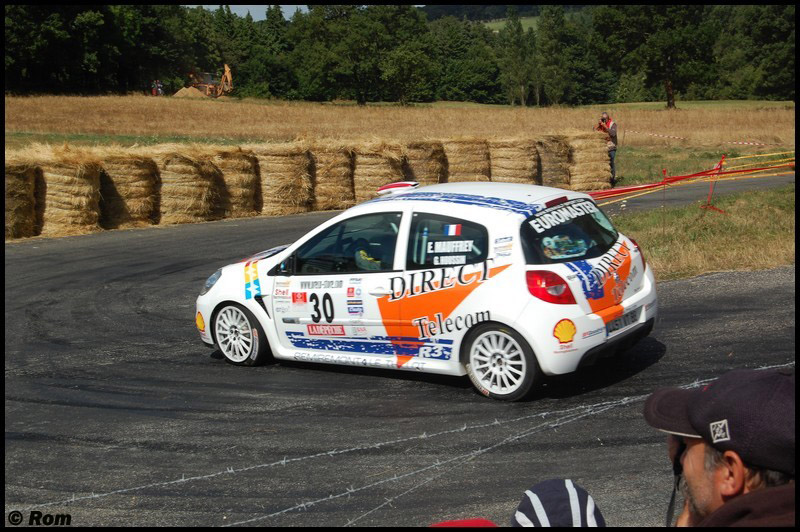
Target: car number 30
[327,308]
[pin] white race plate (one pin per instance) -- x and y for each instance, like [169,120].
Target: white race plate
[623,322]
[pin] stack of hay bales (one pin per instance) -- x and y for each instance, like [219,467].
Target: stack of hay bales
[554,160]
[128,188]
[590,166]
[467,160]
[21,179]
[240,187]
[333,177]
[376,164]
[425,163]
[285,176]
[67,199]
[189,184]
[514,161]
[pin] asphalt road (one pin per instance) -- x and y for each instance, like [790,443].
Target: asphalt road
[116,414]
[683,194]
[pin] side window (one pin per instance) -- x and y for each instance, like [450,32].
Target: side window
[437,241]
[360,244]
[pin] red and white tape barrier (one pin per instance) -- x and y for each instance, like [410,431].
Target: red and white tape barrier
[685,138]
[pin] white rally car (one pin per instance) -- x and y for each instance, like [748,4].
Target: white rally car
[502,282]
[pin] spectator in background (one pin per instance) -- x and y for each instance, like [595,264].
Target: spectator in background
[557,503]
[733,443]
[153,89]
[160,87]
[609,127]
[552,503]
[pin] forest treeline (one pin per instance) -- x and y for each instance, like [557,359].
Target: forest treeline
[391,53]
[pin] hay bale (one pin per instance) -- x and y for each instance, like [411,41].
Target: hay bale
[425,163]
[590,165]
[189,185]
[554,161]
[285,177]
[333,177]
[590,186]
[467,160]
[67,193]
[376,164]
[20,184]
[514,161]
[588,151]
[240,189]
[128,189]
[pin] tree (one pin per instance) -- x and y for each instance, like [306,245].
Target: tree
[409,73]
[552,41]
[516,59]
[467,62]
[672,45]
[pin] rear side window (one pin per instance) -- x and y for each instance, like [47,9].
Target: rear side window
[574,230]
[437,241]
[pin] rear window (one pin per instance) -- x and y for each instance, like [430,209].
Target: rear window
[574,230]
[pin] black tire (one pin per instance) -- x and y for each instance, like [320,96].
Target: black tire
[239,336]
[500,363]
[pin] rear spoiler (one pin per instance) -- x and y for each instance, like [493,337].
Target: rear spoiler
[400,187]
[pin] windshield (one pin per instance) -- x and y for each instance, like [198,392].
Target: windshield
[570,231]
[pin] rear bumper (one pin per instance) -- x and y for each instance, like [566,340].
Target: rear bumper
[584,337]
[618,343]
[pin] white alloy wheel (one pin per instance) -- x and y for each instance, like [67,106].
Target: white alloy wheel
[238,335]
[500,363]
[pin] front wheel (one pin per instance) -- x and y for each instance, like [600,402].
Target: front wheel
[500,363]
[239,336]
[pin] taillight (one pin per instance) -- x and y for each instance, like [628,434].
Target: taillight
[644,262]
[550,287]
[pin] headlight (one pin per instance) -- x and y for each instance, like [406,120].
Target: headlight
[211,282]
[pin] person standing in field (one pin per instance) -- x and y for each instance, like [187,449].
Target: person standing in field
[609,127]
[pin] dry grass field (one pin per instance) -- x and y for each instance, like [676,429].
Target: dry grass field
[68,124]
[141,119]
[685,241]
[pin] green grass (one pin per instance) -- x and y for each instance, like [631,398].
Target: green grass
[756,231]
[749,105]
[645,164]
[527,22]
[638,165]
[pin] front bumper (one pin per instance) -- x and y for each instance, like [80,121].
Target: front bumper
[203,310]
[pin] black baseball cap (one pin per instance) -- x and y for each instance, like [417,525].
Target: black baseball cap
[747,411]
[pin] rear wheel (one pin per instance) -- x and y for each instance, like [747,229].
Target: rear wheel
[500,363]
[239,336]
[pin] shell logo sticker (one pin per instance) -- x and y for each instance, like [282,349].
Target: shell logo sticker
[564,331]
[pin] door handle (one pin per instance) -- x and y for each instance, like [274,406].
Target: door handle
[379,291]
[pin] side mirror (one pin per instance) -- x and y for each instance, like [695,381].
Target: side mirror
[284,268]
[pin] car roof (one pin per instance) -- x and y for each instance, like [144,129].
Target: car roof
[511,197]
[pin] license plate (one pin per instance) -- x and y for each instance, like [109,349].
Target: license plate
[624,321]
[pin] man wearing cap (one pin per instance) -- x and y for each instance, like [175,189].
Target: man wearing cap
[732,441]
[609,127]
